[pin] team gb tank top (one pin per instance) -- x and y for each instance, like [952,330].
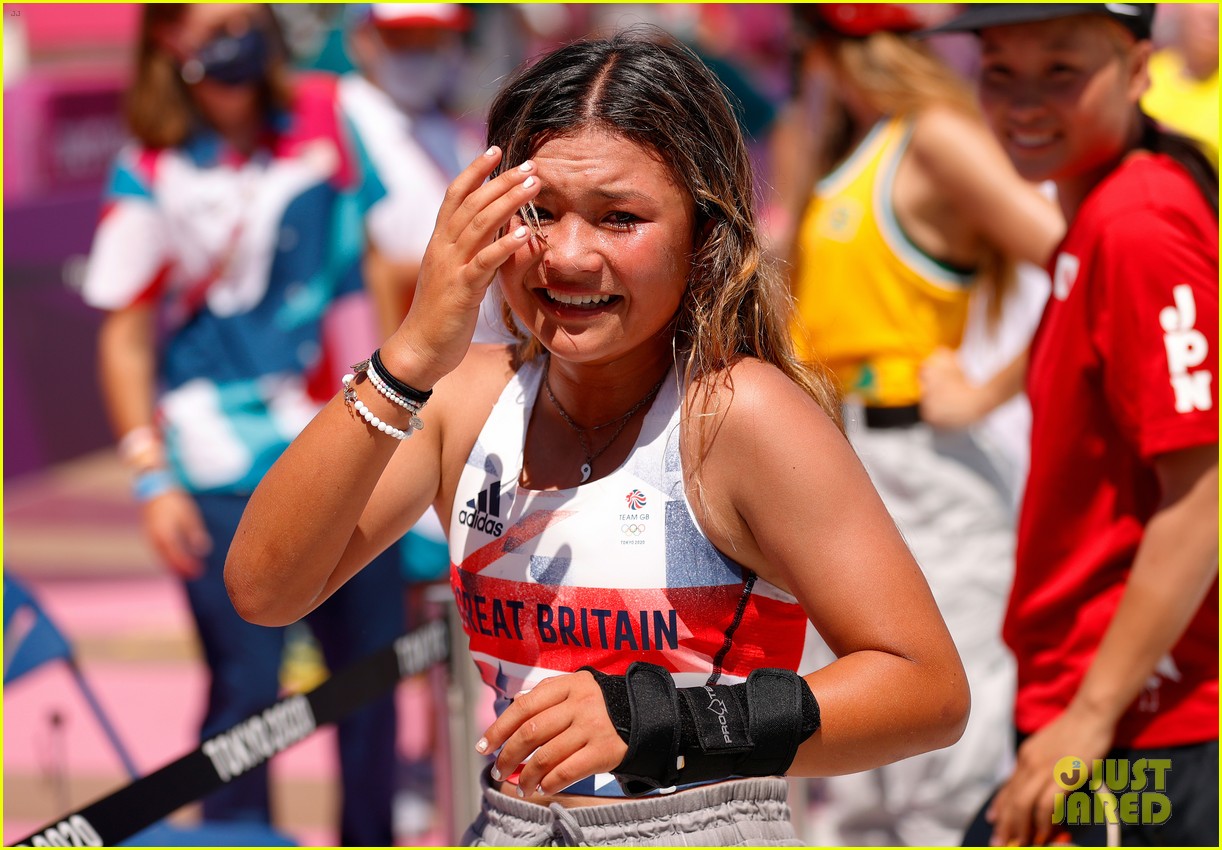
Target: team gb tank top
[607,573]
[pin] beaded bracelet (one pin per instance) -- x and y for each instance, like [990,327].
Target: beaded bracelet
[390,388]
[152,483]
[409,393]
[368,415]
[379,383]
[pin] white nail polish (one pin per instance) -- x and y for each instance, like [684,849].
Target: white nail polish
[481,746]
[521,793]
[491,151]
[529,181]
[526,166]
[496,774]
[520,233]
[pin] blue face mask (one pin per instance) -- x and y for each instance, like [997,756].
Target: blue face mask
[233,60]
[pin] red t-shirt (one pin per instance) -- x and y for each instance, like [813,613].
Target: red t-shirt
[1123,369]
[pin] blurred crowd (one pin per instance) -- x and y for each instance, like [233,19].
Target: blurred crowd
[376,109]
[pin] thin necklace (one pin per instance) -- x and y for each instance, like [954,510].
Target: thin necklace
[623,419]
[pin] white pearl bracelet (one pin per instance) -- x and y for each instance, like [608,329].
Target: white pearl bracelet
[368,415]
[379,384]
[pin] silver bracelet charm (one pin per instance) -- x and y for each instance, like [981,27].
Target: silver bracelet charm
[365,413]
[380,384]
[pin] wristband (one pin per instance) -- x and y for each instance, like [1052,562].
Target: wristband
[151,483]
[682,735]
[420,397]
[141,448]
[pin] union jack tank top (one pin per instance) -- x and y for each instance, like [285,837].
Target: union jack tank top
[610,572]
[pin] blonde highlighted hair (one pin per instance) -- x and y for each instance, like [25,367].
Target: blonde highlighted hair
[900,76]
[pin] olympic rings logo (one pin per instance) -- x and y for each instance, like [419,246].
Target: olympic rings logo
[636,529]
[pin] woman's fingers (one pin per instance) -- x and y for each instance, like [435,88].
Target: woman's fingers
[471,178]
[1014,821]
[497,212]
[461,261]
[486,208]
[466,248]
[1041,817]
[553,749]
[177,531]
[487,261]
[569,757]
[558,733]
[537,734]
[519,713]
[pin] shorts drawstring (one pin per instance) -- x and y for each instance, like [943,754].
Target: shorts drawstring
[566,829]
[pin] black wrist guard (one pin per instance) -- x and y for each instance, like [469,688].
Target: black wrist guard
[677,736]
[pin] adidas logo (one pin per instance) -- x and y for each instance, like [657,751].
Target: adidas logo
[483,513]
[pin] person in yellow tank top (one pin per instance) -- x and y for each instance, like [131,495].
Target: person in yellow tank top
[915,207]
[871,304]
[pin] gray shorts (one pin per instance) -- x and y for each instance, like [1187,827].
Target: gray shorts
[736,813]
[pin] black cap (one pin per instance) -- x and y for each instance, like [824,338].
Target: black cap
[1137,17]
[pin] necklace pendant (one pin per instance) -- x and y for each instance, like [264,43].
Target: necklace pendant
[585,473]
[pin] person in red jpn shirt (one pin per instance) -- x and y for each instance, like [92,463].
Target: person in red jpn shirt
[1114,612]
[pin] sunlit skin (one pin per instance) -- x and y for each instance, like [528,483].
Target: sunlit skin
[1062,96]
[617,227]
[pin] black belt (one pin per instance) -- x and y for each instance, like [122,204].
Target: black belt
[893,417]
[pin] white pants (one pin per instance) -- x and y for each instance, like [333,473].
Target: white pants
[953,509]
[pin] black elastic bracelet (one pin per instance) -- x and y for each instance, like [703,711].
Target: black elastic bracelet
[409,393]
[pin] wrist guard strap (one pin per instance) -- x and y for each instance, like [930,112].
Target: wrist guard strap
[683,735]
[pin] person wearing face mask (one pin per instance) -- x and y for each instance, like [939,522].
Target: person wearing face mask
[420,56]
[413,53]
[232,226]
[409,57]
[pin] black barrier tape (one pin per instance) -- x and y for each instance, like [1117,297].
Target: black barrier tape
[250,742]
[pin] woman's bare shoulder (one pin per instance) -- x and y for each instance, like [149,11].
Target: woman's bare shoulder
[746,418]
[486,368]
[943,130]
[748,426]
[748,389]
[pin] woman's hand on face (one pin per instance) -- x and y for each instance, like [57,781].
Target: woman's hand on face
[460,262]
[175,528]
[562,727]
